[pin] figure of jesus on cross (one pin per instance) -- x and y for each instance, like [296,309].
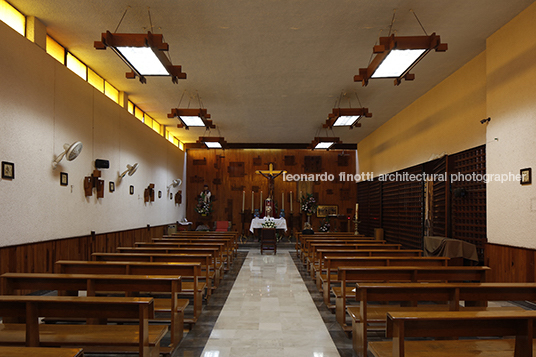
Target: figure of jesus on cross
[271,174]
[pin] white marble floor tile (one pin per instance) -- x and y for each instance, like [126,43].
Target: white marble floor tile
[269,312]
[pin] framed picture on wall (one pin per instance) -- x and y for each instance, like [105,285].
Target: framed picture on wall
[64,178]
[131,190]
[526,176]
[8,170]
[112,186]
[327,210]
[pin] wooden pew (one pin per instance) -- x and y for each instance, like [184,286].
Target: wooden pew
[333,263]
[301,238]
[233,235]
[204,259]
[11,283]
[321,252]
[213,251]
[141,338]
[475,296]
[310,245]
[40,352]
[230,241]
[454,324]
[388,274]
[187,271]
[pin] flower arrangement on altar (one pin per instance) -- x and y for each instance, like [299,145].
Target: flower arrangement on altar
[203,207]
[269,223]
[325,225]
[308,204]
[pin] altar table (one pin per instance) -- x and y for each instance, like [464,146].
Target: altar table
[280,223]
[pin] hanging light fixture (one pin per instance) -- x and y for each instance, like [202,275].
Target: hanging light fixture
[143,53]
[346,117]
[213,142]
[324,143]
[196,117]
[397,55]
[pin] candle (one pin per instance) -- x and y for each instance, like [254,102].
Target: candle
[356,208]
[243,200]
[283,200]
[260,203]
[252,201]
[291,201]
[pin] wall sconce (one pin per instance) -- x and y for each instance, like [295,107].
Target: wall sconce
[174,183]
[130,171]
[397,55]
[70,152]
[346,117]
[143,53]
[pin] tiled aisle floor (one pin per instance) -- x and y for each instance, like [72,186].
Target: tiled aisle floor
[269,312]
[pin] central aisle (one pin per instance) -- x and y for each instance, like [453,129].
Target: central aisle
[269,312]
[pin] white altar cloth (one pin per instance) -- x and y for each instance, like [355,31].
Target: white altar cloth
[280,223]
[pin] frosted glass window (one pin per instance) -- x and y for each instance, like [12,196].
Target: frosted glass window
[55,50]
[75,65]
[111,92]
[95,80]
[12,17]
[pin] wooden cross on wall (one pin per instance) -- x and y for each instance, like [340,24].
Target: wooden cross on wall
[270,174]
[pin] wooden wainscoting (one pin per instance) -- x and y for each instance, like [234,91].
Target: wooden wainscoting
[40,257]
[509,264]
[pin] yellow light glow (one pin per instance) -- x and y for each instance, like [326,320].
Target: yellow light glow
[111,92]
[130,107]
[12,17]
[55,50]
[95,80]
[180,145]
[138,113]
[148,121]
[157,127]
[75,65]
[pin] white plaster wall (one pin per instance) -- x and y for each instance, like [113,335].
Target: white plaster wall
[511,104]
[44,105]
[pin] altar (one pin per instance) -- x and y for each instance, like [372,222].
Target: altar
[256,223]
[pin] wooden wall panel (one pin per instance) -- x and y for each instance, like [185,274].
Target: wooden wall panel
[227,203]
[40,257]
[510,264]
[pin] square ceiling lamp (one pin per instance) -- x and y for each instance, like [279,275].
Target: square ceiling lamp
[196,117]
[324,143]
[144,53]
[349,117]
[214,142]
[397,55]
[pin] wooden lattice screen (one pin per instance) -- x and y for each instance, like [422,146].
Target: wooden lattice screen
[468,197]
[369,199]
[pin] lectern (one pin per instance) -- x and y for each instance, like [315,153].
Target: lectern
[268,240]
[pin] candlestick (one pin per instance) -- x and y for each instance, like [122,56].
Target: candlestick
[283,200]
[252,201]
[243,200]
[356,210]
[260,204]
[291,202]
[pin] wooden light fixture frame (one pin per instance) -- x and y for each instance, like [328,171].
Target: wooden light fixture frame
[154,41]
[329,139]
[195,112]
[387,44]
[213,139]
[338,112]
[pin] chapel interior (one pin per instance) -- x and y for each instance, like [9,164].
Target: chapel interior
[233,136]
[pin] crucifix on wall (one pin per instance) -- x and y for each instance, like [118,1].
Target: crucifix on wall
[270,174]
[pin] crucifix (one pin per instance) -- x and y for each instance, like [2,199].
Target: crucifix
[271,174]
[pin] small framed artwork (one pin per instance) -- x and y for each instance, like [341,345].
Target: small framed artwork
[8,170]
[64,178]
[159,194]
[131,190]
[526,176]
[171,195]
[327,210]
[111,186]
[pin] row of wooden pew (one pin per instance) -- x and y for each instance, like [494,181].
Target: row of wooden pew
[155,280]
[381,286]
